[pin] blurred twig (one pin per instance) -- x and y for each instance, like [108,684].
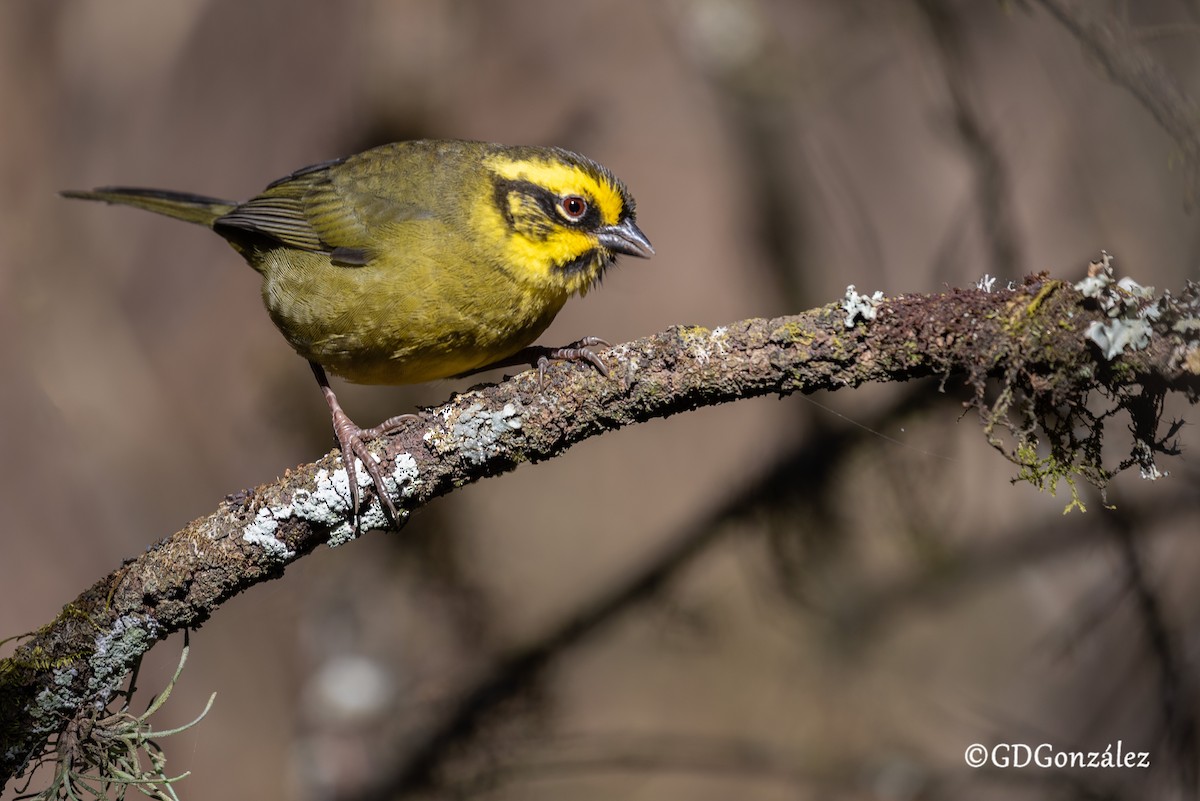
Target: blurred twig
[993,192]
[744,759]
[1117,46]
[1176,693]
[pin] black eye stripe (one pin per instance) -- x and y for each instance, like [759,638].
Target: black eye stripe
[547,201]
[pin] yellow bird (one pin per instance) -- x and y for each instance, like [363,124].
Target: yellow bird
[419,260]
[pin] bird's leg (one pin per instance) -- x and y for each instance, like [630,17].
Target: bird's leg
[352,443]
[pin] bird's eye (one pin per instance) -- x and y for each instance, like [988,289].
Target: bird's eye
[573,206]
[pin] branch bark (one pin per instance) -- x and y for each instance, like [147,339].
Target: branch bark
[1034,337]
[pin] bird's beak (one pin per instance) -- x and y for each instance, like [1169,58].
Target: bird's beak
[626,237]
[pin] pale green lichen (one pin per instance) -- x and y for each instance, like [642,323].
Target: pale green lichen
[718,340]
[261,532]
[1115,336]
[115,649]
[406,475]
[703,344]
[52,701]
[475,432]
[127,639]
[1129,306]
[1149,470]
[328,504]
[860,307]
[986,283]
[1186,325]
[320,506]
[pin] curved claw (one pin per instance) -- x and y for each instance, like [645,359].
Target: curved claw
[352,443]
[577,351]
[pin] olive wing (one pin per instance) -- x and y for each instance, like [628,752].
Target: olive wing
[336,207]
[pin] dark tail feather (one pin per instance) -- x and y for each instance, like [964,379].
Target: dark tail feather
[180,205]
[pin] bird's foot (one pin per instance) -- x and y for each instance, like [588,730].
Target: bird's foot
[352,441]
[578,351]
[540,357]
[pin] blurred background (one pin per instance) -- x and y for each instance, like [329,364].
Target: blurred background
[777,599]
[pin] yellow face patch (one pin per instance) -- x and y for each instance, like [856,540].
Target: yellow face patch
[550,206]
[565,179]
[538,247]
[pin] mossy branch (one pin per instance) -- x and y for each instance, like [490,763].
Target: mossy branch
[1039,349]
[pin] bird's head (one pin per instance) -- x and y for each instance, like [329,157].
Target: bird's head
[566,217]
